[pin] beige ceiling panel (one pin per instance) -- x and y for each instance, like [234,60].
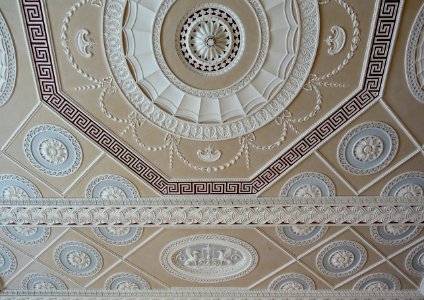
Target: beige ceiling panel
[365,173]
[71,163]
[78,258]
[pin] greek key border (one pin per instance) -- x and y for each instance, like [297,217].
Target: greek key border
[36,24]
[212,212]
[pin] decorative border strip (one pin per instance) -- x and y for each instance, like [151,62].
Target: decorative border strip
[221,212]
[205,293]
[36,24]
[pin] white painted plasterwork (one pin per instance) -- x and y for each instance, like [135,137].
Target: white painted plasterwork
[368,148]
[394,234]
[208,258]
[210,293]
[7,62]
[409,184]
[378,282]
[309,185]
[292,282]
[52,150]
[126,282]
[341,258]
[78,259]
[212,211]
[42,282]
[414,58]
[203,105]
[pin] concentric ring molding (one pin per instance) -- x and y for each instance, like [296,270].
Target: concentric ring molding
[229,258]
[48,133]
[42,281]
[87,255]
[130,281]
[309,41]
[7,63]
[383,133]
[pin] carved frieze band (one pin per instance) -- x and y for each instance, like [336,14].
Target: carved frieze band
[211,293]
[208,211]
[380,47]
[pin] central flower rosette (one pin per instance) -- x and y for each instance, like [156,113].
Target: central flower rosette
[211,70]
[210,40]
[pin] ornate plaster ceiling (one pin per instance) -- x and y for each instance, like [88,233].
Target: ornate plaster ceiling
[188,149]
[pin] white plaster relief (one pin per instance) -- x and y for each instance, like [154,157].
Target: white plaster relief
[78,259]
[292,282]
[7,63]
[208,258]
[208,154]
[111,187]
[407,185]
[246,211]
[414,262]
[126,282]
[8,263]
[336,40]
[42,282]
[414,58]
[341,258]
[308,185]
[14,187]
[250,121]
[299,235]
[378,282]
[210,39]
[84,43]
[368,148]
[52,150]
[394,234]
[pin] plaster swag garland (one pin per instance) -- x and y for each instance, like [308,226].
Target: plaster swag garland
[247,144]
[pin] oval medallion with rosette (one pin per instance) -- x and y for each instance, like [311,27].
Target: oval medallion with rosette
[208,258]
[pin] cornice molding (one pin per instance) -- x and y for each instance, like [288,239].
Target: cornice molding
[212,211]
[209,293]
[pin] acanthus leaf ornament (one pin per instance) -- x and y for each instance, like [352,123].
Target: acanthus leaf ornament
[208,154]
[336,40]
[84,43]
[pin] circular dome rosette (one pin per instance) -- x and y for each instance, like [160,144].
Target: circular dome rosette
[211,71]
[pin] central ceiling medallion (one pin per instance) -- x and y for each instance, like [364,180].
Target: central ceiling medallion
[211,70]
[211,39]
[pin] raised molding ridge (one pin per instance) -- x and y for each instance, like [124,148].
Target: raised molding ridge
[209,293]
[212,211]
